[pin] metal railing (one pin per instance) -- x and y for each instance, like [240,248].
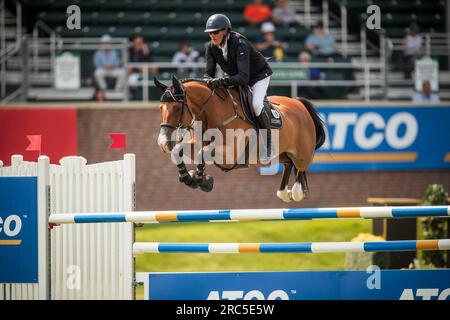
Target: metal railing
[41,27]
[2,26]
[307,10]
[433,44]
[58,45]
[121,44]
[366,44]
[21,51]
[8,51]
[367,68]
[344,29]
[325,15]
[340,18]
[17,24]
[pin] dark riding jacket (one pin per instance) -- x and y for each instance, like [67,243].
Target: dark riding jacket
[244,65]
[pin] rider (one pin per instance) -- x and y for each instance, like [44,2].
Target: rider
[243,64]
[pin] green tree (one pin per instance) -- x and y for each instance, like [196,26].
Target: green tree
[435,228]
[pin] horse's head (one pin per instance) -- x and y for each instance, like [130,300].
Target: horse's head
[174,112]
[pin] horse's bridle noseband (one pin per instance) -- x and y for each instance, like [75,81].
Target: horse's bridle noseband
[169,96]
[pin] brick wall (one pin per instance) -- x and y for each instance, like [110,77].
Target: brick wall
[157,177]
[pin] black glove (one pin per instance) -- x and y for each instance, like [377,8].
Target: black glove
[216,83]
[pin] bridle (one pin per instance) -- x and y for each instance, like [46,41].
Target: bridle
[169,96]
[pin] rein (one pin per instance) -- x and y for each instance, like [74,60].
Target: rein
[169,96]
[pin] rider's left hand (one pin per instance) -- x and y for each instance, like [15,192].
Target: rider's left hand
[216,83]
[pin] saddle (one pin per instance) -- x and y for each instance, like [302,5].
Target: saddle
[245,95]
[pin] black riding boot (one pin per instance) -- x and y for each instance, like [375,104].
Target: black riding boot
[264,123]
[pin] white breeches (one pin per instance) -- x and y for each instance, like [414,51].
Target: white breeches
[259,91]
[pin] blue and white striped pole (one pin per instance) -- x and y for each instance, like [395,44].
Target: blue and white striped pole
[253,215]
[294,247]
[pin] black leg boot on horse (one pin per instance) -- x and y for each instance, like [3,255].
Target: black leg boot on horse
[193,178]
[204,181]
[264,123]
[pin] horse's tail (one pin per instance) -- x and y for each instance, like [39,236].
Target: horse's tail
[318,122]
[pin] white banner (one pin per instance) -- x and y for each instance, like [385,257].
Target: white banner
[67,71]
[427,69]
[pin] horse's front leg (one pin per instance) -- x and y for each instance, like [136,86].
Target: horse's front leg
[183,175]
[204,181]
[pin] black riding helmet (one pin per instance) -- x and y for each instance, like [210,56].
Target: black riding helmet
[217,22]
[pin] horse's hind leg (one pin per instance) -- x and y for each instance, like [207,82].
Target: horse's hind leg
[300,188]
[304,182]
[284,193]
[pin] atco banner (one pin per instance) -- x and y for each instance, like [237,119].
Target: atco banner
[301,285]
[18,230]
[378,138]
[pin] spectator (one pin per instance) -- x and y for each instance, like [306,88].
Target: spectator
[99,95]
[314,73]
[412,45]
[282,15]
[107,64]
[185,54]
[312,92]
[138,52]
[426,95]
[257,12]
[321,43]
[269,45]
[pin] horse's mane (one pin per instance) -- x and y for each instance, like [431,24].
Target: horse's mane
[202,81]
[168,94]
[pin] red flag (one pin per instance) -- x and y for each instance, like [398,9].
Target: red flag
[35,143]
[119,141]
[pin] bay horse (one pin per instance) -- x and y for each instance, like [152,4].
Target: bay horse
[191,100]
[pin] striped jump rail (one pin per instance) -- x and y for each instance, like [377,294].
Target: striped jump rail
[253,215]
[291,247]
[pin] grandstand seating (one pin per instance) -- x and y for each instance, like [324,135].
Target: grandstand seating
[164,24]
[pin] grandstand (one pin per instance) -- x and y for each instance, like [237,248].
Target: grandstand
[369,67]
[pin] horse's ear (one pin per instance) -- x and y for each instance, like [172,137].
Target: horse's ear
[161,86]
[177,85]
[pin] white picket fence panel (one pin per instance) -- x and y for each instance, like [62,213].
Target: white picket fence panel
[87,261]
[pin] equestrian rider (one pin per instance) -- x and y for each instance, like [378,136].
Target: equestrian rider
[243,66]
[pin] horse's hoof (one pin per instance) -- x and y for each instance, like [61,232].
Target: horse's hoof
[284,195]
[190,181]
[198,179]
[207,184]
[185,178]
[297,192]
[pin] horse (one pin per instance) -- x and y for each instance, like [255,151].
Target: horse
[190,100]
